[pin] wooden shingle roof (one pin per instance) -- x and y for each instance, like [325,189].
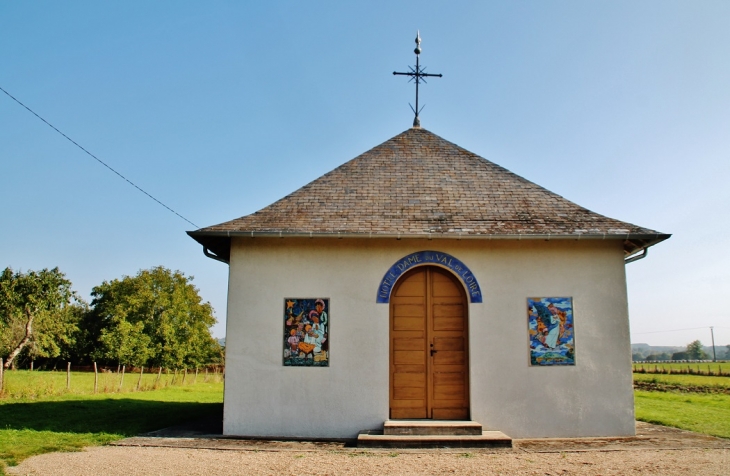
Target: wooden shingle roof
[419,185]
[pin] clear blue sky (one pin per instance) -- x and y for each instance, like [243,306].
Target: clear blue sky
[220,108]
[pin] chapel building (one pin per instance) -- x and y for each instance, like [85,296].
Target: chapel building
[420,281]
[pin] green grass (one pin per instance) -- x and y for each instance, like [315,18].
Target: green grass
[704,367]
[684,380]
[24,384]
[36,425]
[709,414]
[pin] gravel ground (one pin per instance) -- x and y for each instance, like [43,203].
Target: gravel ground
[116,460]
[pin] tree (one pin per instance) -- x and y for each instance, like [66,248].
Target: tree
[35,313]
[125,343]
[695,352]
[156,317]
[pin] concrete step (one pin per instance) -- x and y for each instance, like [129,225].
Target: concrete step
[487,439]
[431,427]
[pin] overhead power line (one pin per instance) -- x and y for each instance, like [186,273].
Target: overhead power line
[96,158]
[676,330]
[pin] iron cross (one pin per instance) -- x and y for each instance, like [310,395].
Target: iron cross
[417,76]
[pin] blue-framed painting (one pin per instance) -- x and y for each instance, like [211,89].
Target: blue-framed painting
[551,328]
[306,332]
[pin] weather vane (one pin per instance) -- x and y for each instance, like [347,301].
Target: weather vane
[417,76]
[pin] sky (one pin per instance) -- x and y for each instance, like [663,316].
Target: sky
[218,109]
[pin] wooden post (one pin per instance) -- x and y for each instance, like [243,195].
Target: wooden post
[159,374]
[174,377]
[1,375]
[206,375]
[139,382]
[31,364]
[185,374]
[96,378]
[196,375]
[121,380]
[68,376]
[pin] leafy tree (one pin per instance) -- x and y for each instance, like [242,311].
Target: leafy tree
[125,343]
[36,313]
[695,351]
[59,339]
[156,317]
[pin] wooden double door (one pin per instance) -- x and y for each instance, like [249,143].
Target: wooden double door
[429,355]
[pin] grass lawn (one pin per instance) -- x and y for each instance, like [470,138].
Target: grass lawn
[715,367]
[684,380]
[709,414]
[69,422]
[24,384]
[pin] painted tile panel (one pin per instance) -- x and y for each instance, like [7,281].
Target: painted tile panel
[551,330]
[306,332]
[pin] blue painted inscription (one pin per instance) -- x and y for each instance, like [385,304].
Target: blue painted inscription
[429,257]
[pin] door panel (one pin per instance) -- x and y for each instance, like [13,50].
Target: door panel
[429,347]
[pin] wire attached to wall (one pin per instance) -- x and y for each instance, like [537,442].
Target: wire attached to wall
[96,158]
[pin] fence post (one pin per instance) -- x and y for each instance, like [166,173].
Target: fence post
[121,380]
[159,373]
[206,374]
[96,378]
[140,377]
[1,374]
[68,375]
[185,374]
[196,376]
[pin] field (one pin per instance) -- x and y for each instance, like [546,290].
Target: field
[709,414]
[24,384]
[705,368]
[681,382]
[38,415]
[692,402]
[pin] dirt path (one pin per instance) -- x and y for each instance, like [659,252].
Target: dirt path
[115,460]
[655,450]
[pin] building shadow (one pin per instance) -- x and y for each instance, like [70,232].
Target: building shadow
[127,417]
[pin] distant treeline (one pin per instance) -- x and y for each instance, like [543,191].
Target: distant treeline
[693,352]
[154,319]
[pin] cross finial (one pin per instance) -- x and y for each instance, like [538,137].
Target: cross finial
[417,75]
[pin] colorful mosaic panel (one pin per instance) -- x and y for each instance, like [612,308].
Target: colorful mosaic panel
[550,325]
[306,332]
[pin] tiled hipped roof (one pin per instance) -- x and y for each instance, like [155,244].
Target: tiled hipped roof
[420,185]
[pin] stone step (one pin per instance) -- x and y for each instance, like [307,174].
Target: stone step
[488,439]
[431,427]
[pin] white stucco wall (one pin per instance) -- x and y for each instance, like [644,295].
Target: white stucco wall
[264,398]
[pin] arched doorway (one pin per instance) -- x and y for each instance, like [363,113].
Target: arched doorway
[429,355]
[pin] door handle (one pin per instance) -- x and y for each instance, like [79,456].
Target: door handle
[433,352]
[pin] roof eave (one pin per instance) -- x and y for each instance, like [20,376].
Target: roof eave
[218,242]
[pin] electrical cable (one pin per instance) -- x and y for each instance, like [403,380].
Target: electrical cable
[673,330]
[96,158]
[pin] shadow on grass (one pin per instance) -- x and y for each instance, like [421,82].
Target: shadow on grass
[125,417]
